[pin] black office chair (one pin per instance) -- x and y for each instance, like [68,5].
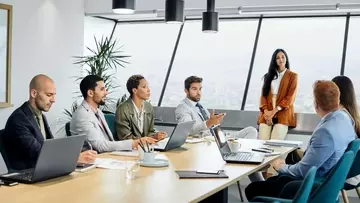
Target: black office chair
[3,152]
[67,129]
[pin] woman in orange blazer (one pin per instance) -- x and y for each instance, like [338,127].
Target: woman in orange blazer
[277,99]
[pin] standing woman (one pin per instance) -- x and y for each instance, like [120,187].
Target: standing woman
[277,98]
[348,100]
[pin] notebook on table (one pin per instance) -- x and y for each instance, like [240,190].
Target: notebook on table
[195,175]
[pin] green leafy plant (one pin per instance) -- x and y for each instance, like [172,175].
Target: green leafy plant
[103,61]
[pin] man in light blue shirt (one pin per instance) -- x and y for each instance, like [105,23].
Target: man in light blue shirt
[327,144]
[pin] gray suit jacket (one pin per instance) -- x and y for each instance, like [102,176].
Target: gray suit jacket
[84,122]
[126,123]
[186,111]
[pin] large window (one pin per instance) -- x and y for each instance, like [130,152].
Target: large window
[221,59]
[150,47]
[352,68]
[314,47]
[98,28]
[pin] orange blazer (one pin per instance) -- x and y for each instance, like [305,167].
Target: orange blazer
[285,98]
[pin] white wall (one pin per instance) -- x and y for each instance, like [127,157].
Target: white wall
[46,34]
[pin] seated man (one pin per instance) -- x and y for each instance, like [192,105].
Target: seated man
[27,128]
[190,109]
[135,117]
[326,146]
[88,120]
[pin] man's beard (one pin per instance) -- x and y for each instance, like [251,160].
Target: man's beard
[101,103]
[194,99]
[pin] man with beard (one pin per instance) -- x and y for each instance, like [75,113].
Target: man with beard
[88,119]
[135,117]
[190,109]
[27,127]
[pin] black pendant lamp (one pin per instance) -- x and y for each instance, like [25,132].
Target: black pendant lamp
[174,11]
[210,18]
[123,6]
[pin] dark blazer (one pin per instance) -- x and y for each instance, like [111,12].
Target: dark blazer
[22,138]
[126,124]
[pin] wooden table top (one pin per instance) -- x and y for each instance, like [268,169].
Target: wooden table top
[150,184]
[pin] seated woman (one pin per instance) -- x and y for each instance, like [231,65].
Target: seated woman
[348,100]
[277,99]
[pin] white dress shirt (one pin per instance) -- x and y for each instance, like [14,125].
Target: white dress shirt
[197,108]
[275,84]
[139,117]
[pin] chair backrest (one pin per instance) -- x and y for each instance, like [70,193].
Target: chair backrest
[110,119]
[355,168]
[328,191]
[67,129]
[3,152]
[303,193]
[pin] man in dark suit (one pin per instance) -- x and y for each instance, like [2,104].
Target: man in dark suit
[27,128]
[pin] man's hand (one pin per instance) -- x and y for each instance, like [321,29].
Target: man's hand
[214,119]
[87,157]
[160,135]
[278,163]
[149,140]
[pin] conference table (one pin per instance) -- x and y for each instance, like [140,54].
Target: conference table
[149,185]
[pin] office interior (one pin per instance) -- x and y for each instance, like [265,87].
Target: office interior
[321,37]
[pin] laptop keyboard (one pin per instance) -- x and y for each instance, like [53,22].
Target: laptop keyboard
[239,156]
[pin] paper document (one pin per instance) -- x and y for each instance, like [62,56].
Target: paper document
[132,153]
[194,140]
[109,163]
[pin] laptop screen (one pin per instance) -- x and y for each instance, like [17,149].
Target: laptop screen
[220,139]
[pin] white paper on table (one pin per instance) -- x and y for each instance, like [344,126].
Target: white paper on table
[194,140]
[109,163]
[132,153]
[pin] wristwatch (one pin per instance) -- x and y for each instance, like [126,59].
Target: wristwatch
[279,108]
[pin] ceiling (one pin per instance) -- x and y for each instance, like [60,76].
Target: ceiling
[154,9]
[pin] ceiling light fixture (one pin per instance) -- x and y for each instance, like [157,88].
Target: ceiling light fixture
[210,18]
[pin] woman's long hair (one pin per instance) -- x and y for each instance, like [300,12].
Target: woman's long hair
[272,73]
[348,99]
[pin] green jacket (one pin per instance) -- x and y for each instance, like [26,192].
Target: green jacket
[126,124]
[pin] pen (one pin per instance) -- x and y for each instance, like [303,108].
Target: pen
[90,146]
[147,146]
[142,147]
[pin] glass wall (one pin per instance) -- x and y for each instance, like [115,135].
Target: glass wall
[150,47]
[98,28]
[221,59]
[314,47]
[352,68]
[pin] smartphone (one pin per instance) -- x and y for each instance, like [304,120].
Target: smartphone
[223,114]
[208,171]
[8,183]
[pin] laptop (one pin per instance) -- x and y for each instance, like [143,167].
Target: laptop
[58,157]
[234,157]
[177,137]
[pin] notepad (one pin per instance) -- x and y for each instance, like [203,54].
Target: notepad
[284,143]
[194,175]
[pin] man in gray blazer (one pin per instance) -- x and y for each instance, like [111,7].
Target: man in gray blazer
[190,109]
[88,120]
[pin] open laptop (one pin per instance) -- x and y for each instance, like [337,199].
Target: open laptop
[58,157]
[234,157]
[177,137]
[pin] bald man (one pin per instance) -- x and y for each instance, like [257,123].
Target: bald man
[27,127]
